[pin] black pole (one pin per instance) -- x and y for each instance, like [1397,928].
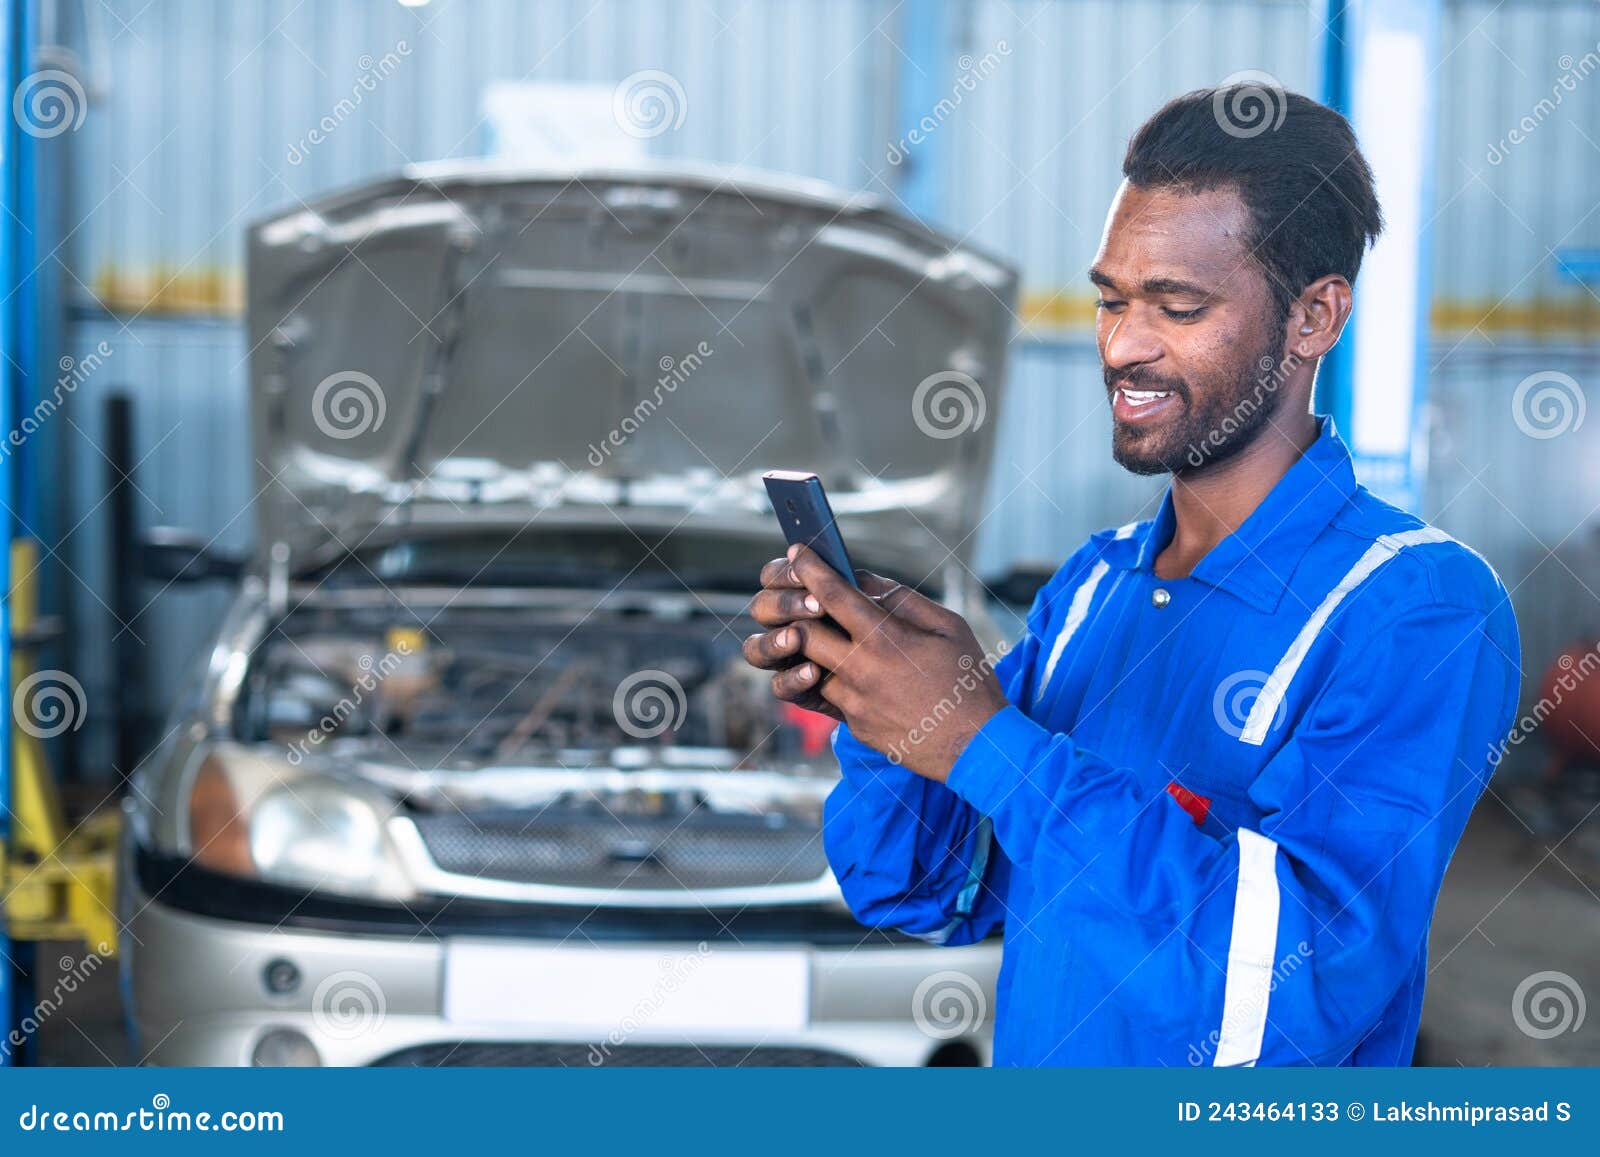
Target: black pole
[127,651]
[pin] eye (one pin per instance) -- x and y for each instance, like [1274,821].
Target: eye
[1184,314]
[1110,306]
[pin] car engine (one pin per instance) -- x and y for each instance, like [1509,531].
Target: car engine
[472,688]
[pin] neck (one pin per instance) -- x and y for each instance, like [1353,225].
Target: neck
[1211,503]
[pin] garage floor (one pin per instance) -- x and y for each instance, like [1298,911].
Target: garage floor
[1513,905]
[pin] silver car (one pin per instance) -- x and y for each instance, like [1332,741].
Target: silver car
[474,772]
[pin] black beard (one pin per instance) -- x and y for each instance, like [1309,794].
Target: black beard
[1226,422]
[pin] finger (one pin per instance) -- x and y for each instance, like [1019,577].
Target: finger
[916,609]
[874,585]
[841,695]
[769,650]
[828,646]
[902,601]
[777,574]
[848,607]
[797,682]
[822,707]
[774,608]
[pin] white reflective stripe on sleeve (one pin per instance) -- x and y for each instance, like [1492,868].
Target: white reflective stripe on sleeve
[967,898]
[1250,952]
[1270,701]
[1077,611]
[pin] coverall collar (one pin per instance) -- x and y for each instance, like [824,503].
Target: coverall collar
[1255,562]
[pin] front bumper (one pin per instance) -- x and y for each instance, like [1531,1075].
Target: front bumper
[196,983]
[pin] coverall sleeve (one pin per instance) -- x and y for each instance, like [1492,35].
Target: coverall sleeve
[1284,944]
[908,852]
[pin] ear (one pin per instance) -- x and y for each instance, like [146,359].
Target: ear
[1317,317]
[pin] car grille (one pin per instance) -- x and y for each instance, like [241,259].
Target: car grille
[606,851]
[546,1054]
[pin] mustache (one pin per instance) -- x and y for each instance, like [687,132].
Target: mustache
[1141,379]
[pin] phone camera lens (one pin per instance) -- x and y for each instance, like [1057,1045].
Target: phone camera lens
[790,505]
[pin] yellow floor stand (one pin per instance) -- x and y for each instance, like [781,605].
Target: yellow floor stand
[56,882]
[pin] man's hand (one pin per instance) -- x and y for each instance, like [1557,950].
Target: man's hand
[783,602]
[906,674]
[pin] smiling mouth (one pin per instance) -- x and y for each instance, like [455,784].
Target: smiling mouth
[1132,407]
[1139,398]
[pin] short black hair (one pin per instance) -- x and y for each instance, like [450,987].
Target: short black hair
[1294,163]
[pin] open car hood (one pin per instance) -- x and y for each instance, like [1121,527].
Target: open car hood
[473,345]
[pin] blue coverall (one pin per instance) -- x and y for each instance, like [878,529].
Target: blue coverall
[1215,818]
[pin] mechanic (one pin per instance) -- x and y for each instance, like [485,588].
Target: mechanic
[1212,792]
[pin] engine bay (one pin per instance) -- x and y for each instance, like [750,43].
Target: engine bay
[463,688]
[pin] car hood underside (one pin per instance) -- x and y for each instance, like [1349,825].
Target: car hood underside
[471,344]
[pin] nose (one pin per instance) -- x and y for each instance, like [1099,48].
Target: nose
[1130,340]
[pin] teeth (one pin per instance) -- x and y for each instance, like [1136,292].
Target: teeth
[1143,397]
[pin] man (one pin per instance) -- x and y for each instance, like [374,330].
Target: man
[1212,792]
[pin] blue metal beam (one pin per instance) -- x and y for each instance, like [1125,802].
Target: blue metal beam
[1331,70]
[1378,65]
[10,56]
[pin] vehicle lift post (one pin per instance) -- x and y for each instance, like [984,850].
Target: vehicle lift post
[56,883]
[10,972]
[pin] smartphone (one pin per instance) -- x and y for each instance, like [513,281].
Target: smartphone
[802,507]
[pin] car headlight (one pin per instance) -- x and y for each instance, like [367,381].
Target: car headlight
[254,816]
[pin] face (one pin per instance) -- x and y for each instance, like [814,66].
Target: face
[1188,331]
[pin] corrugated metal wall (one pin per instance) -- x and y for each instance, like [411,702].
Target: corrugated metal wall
[204,102]
[209,101]
[193,470]
[1038,153]
[1501,210]
[1520,481]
